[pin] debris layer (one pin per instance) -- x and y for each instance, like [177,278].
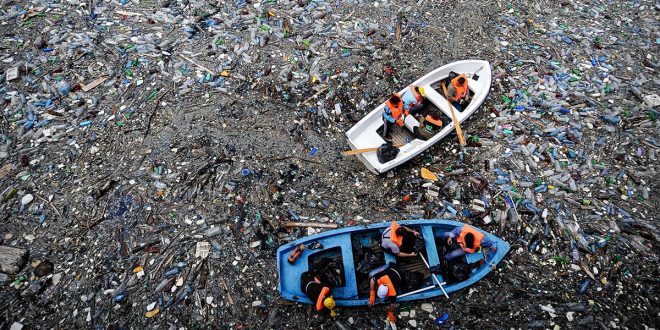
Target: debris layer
[154,154]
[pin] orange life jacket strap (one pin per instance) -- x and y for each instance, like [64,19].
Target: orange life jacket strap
[391,291]
[396,239]
[436,122]
[319,301]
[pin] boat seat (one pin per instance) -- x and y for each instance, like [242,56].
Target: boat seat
[474,258]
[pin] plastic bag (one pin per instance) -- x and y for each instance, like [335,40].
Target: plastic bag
[367,260]
[387,152]
[419,244]
[411,281]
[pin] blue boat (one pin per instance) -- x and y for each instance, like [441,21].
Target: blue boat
[343,245]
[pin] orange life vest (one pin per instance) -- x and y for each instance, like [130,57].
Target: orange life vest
[461,91]
[396,239]
[477,238]
[319,302]
[396,111]
[436,122]
[391,292]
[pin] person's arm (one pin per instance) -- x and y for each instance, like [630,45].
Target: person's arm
[387,114]
[411,231]
[453,234]
[372,291]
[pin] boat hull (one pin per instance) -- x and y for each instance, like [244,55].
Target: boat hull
[340,239]
[364,133]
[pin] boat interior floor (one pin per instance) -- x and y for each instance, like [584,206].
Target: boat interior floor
[400,135]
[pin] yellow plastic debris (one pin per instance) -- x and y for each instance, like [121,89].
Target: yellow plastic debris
[428,175]
[271,13]
[152,312]
[225,73]
[138,269]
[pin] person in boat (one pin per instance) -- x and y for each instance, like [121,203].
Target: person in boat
[399,240]
[468,239]
[318,292]
[384,283]
[429,125]
[414,100]
[393,113]
[458,92]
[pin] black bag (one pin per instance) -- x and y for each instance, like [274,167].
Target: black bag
[419,244]
[386,152]
[451,77]
[411,281]
[332,275]
[458,271]
[367,260]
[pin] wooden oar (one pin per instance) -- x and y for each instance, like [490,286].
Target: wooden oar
[457,125]
[361,151]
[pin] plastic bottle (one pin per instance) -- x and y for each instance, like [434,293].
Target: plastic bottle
[575,254]
[441,319]
[613,120]
[584,286]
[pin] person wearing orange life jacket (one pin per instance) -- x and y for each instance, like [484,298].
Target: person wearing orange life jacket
[429,125]
[385,282]
[318,292]
[393,113]
[458,92]
[399,240]
[414,100]
[468,239]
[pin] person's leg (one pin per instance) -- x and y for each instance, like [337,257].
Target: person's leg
[416,132]
[387,129]
[455,254]
[415,110]
[490,254]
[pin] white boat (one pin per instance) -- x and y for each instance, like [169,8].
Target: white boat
[365,134]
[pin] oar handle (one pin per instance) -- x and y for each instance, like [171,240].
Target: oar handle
[361,151]
[434,277]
